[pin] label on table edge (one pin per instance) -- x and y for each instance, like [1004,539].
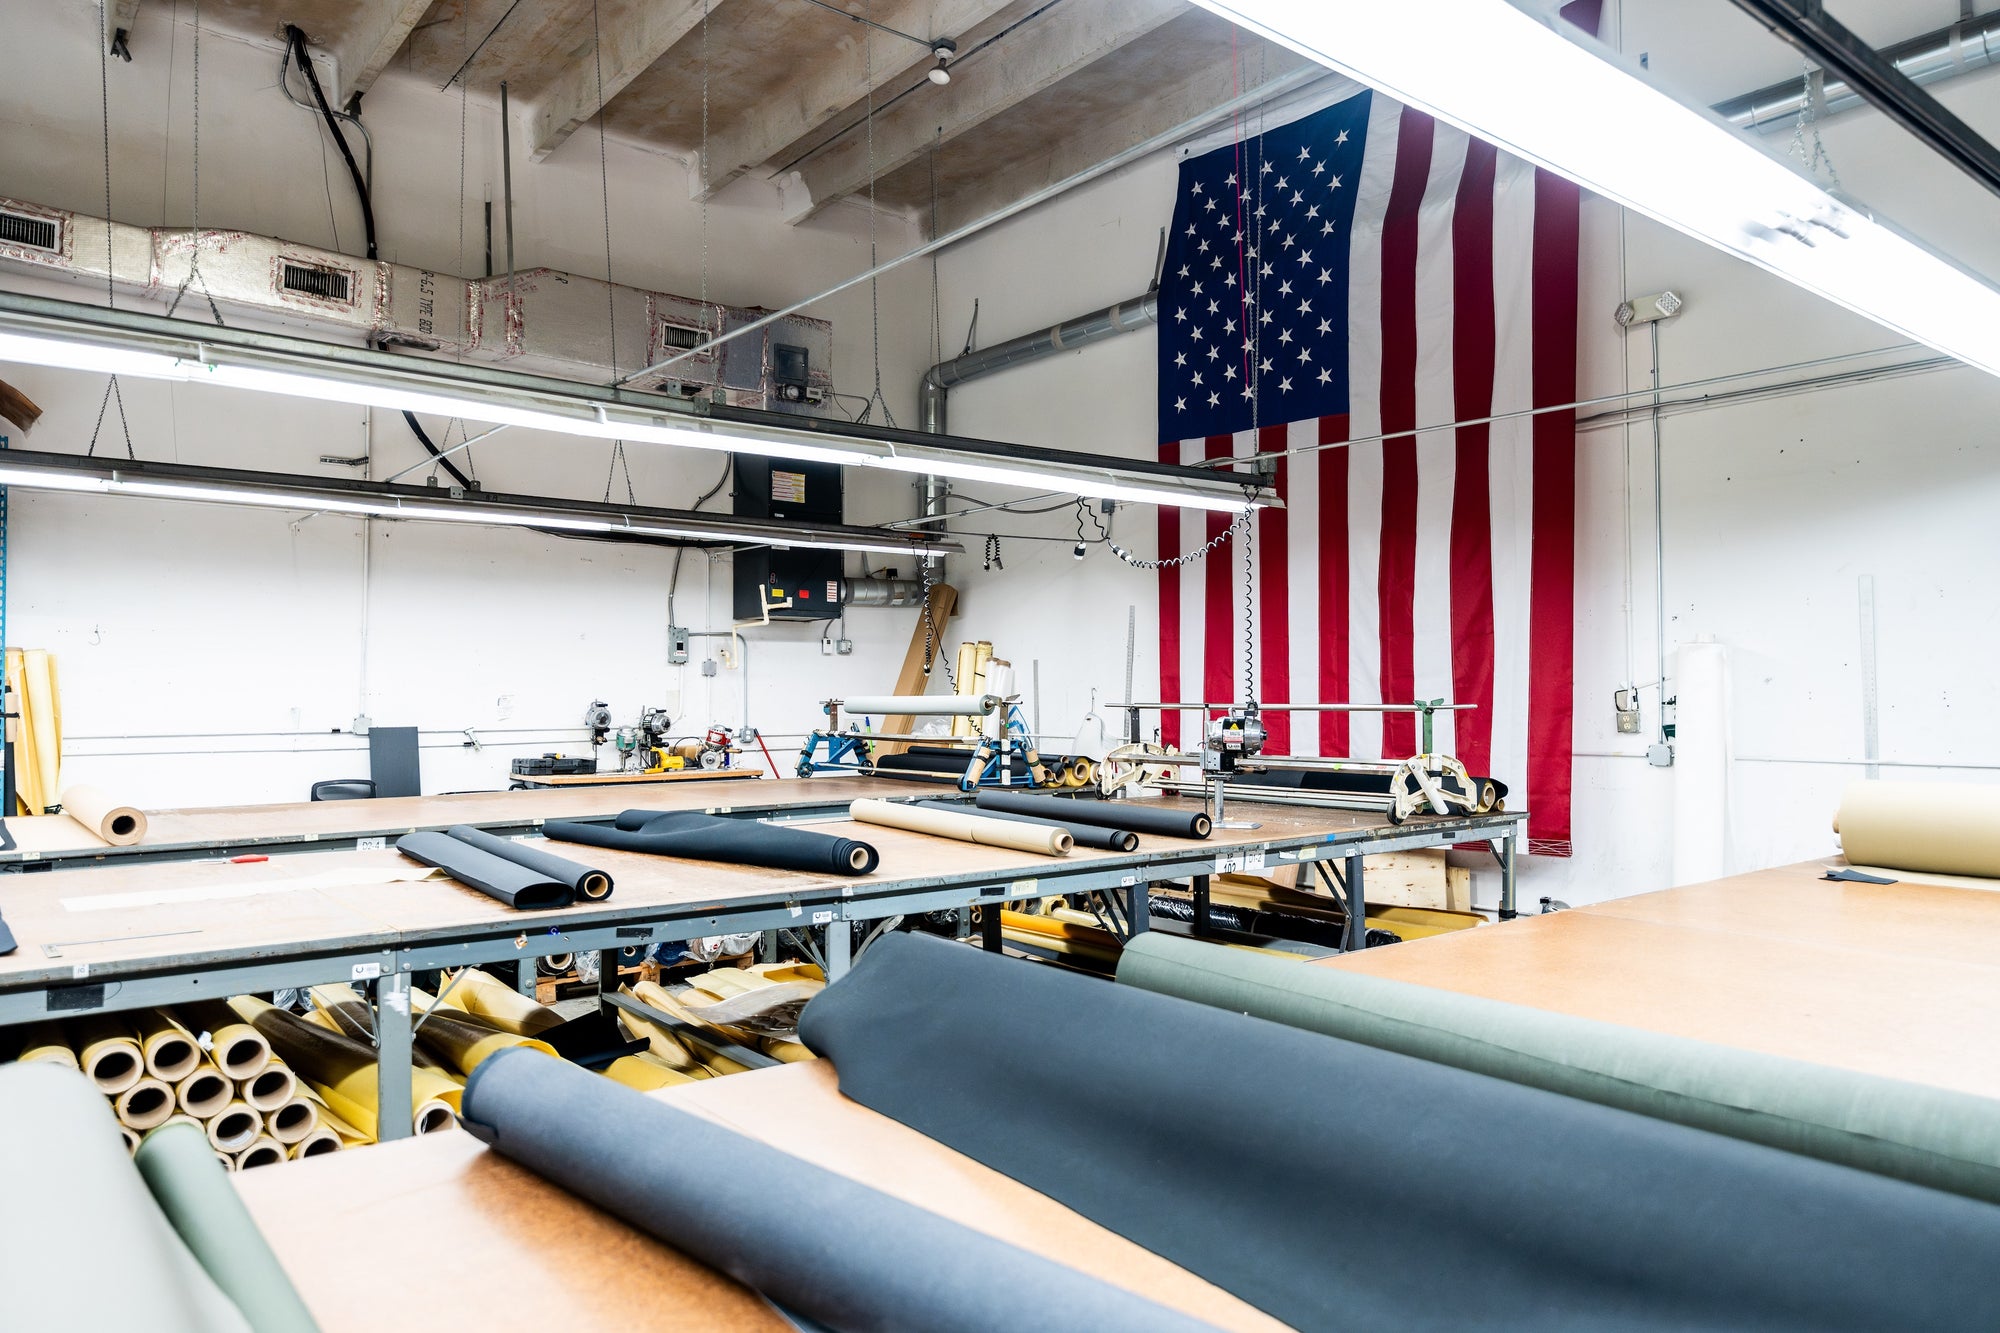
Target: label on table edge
[1025,885]
[371,844]
[822,917]
[1127,881]
[366,971]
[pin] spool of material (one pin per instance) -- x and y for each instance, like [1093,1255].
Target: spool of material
[1083,835]
[1701,763]
[44,1042]
[1930,1136]
[644,1075]
[270,1088]
[120,825]
[83,1245]
[204,1093]
[917,705]
[227,1161]
[944,765]
[108,1052]
[701,837]
[194,1192]
[264,1151]
[493,1001]
[495,876]
[170,1050]
[234,1128]
[145,1104]
[1945,828]
[818,1243]
[586,882]
[662,1043]
[1045,839]
[316,1144]
[236,1047]
[292,1121]
[130,1136]
[342,1070]
[1637,1222]
[464,1045]
[1162,821]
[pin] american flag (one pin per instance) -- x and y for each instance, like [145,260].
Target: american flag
[1354,275]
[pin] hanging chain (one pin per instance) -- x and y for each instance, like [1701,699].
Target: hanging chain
[874,283]
[702,168]
[112,392]
[1812,86]
[111,387]
[194,235]
[604,185]
[618,460]
[937,308]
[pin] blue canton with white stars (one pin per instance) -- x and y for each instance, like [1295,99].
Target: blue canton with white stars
[1253,300]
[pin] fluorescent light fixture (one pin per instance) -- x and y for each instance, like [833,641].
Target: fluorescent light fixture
[1565,103]
[422,504]
[941,464]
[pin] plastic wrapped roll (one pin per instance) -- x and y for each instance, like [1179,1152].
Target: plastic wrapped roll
[234,1128]
[586,882]
[291,1121]
[82,1243]
[917,705]
[145,1104]
[45,1042]
[818,1243]
[1045,839]
[495,876]
[170,1050]
[194,1192]
[743,842]
[486,997]
[236,1047]
[1943,828]
[1082,835]
[1153,819]
[108,1052]
[263,1151]
[120,825]
[204,1093]
[271,1087]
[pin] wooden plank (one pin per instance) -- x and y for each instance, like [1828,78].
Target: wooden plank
[911,679]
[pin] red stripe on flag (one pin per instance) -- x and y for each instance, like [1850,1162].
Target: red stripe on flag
[1218,601]
[1397,578]
[1334,627]
[1274,634]
[1169,523]
[1472,340]
[1552,596]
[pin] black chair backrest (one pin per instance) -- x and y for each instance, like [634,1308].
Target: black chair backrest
[343,789]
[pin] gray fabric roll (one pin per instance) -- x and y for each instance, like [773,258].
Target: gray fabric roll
[817,1243]
[83,1247]
[588,883]
[511,882]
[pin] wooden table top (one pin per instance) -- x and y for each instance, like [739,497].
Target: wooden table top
[636,779]
[1892,979]
[508,1250]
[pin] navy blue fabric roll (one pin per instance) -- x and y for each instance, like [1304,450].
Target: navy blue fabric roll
[818,1243]
[1335,1185]
[743,842]
[1164,819]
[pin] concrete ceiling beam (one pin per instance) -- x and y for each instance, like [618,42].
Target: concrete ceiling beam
[648,31]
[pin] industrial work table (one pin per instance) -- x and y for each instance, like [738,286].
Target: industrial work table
[666,779]
[168,932]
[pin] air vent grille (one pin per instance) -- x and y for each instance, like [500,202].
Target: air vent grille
[35,233]
[323,284]
[680,338]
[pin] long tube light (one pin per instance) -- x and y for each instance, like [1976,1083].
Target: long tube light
[36,331]
[1533,85]
[424,504]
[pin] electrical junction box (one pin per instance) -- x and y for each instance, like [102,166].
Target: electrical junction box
[677,646]
[766,578]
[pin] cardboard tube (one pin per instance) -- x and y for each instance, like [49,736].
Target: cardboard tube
[235,1046]
[234,1127]
[119,825]
[145,1104]
[46,1043]
[316,1144]
[108,1052]
[271,1088]
[131,1137]
[486,996]
[433,1117]
[228,1160]
[263,1151]
[1046,840]
[1946,828]
[291,1121]
[204,1093]
[342,1070]
[170,1050]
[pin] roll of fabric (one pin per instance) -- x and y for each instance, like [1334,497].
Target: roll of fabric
[170,1050]
[495,876]
[1164,821]
[234,1128]
[45,1042]
[108,1052]
[1945,828]
[236,1047]
[1083,835]
[83,1246]
[942,765]
[145,1104]
[116,823]
[1929,1136]
[1043,839]
[644,1075]
[32,676]
[588,883]
[192,1189]
[320,1142]
[203,1093]
[271,1087]
[700,837]
[292,1121]
[817,1243]
[342,1070]
[263,1151]
[486,997]
[1635,1222]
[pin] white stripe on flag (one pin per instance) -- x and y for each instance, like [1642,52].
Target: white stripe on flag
[1437,452]
[1302,561]
[1194,603]
[1512,469]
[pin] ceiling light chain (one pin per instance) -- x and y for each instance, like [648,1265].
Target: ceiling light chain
[604,187]
[111,388]
[194,231]
[1811,99]
[874,259]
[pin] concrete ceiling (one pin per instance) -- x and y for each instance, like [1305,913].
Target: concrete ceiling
[1041,88]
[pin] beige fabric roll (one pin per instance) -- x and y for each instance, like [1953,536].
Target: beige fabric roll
[234,1128]
[144,1105]
[263,1151]
[292,1121]
[238,1049]
[984,830]
[108,1052]
[118,824]
[271,1088]
[1947,828]
[171,1051]
[487,997]
[203,1093]
[46,1043]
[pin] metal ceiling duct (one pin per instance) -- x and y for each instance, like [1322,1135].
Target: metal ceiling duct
[1934,58]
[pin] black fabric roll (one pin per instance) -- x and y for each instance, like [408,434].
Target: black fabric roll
[940,763]
[1335,1185]
[586,882]
[512,883]
[1166,821]
[818,1243]
[1086,835]
[744,842]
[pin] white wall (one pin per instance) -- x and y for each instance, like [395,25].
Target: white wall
[231,642]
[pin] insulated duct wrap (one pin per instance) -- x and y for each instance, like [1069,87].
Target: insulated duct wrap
[1448,1199]
[818,1243]
[743,842]
[1153,819]
[1944,828]
[1929,1136]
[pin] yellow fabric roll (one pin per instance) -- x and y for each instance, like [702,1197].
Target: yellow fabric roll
[485,996]
[1946,828]
[292,1121]
[238,1050]
[170,1050]
[642,1074]
[108,1052]
[31,676]
[661,1043]
[234,1127]
[145,1104]
[270,1088]
[316,1144]
[791,1052]
[343,1073]
[263,1151]
[653,993]
[321,1018]
[204,1092]
[45,1042]
[349,1136]
[1045,839]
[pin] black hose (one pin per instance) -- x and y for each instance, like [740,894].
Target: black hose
[298,41]
[423,438]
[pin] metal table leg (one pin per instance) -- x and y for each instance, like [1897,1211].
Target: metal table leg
[1138,908]
[392,1041]
[989,927]
[1507,874]
[1356,936]
[839,948]
[524,977]
[1201,904]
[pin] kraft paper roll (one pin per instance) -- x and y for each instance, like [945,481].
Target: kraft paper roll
[204,1093]
[145,1104]
[1945,828]
[192,1189]
[292,1121]
[45,1042]
[833,1250]
[170,1050]
[1701,763]
[342,1070]
[643,1075]
[234,1127]
[1084,835]
[108,1052]
[83,1245]
[748,842]
[270,1088]
[263,1151]
[235,1046]
[915,705]
[586,882]
[486,997]
[316,1144]
[119,825]
[1047,840]
[1164,821]
[1929,1136]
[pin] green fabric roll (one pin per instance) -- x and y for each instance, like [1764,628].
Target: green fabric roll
[193,1190]
[1928,1136]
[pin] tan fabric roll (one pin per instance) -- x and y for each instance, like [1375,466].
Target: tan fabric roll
[234,1128]
[1947,828]
[270,1088]
[171,1051]
[291,1121]
[487,997]
[987,832]
[203,1093]
[238,1049]
[145,1104]
[642,1074]
[118,824]
[263,1151]
[316,1144]
[46,1043]
[108,1052]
